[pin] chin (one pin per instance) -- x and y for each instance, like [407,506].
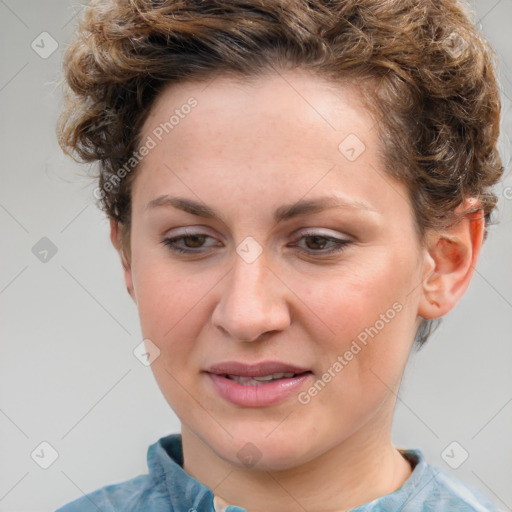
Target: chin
[261,451]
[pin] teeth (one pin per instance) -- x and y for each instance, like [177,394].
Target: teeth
[267,377]
[257,381]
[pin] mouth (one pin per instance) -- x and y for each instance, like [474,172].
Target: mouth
[263,379]
[257,385]
[265,369]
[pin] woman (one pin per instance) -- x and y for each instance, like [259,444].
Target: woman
[296,191]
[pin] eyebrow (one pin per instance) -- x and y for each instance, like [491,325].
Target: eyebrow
[282,213]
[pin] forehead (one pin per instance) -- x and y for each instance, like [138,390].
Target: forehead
[296,106]
[278,134]
[293,109]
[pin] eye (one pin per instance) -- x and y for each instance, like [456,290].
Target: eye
[322,244]
[316,243]
[192,242]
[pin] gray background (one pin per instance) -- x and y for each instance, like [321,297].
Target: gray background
[68,327]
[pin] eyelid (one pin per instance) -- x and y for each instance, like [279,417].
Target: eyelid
[321,231]
[204,230]
[189,231]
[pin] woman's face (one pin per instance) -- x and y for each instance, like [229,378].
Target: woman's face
[300,257]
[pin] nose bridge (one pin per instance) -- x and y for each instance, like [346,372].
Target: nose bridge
[249,277]
[252,302]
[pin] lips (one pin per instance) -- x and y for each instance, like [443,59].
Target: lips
[263,369]
[258,381]
[257,385]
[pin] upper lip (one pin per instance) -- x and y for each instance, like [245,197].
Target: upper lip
[256,369]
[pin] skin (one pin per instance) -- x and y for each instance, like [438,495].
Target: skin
[245,150]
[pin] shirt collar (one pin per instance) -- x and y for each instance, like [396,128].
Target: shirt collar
[419,481]
[165,464]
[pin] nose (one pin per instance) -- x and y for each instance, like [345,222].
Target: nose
[253,301]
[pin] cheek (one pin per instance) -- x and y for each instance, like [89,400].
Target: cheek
[371,315]
[171,306]
[358,294]
[168,297]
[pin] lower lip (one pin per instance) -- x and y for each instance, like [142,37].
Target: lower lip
[262,395]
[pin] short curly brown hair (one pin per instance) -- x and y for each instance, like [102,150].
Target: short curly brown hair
[427,73]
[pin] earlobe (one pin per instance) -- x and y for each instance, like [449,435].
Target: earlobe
[115,237]
[450,261]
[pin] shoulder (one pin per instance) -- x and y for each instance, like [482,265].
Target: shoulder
[437,490]
[163,489]
[139,493]
[454,494]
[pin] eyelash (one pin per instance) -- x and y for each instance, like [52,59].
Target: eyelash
[340,244]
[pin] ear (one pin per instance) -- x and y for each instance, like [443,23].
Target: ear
[115,237]
[450,261]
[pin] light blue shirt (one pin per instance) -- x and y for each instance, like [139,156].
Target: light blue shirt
[167,488]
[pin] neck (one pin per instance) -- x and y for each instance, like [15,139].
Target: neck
[360,469]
